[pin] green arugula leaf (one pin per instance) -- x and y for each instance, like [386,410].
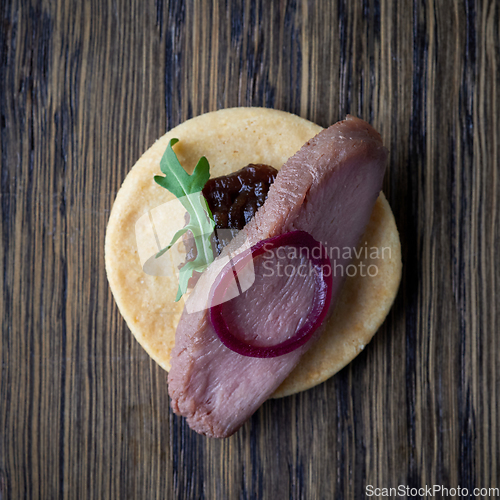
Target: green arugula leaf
[187,188]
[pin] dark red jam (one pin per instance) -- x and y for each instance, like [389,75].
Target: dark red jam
[233,199]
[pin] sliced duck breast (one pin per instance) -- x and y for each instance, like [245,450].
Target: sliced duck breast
[327,189]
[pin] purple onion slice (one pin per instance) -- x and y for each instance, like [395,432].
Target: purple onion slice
[318,311]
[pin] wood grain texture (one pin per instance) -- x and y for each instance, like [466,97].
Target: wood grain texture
[86,87]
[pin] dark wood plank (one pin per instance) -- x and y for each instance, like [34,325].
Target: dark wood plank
[87,87]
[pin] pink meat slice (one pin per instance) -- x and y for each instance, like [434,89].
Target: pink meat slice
[328,189]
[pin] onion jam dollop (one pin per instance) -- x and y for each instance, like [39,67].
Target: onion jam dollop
[233,199]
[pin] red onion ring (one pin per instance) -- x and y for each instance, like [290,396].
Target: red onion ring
[321,300]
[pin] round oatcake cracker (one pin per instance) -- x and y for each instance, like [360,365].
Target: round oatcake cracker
[231,139]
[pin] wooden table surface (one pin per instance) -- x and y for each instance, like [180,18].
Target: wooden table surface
[87,87]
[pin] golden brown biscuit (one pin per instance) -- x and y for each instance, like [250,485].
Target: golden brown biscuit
[231,139]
